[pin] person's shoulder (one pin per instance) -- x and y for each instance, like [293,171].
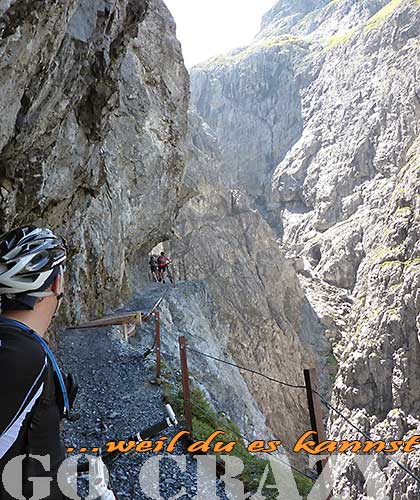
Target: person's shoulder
[20,353]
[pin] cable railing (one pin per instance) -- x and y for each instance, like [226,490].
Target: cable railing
[324,401]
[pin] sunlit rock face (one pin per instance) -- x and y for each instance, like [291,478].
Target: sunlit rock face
[94,98]
[378,373]
[242,302]
[286,15]
[250,98]
[318,122]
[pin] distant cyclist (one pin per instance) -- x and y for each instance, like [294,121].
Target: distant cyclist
[154,267]
[163,263]
[33,394]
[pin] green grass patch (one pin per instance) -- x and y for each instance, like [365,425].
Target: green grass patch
[336,40]
[280,41]
[404,212]
[396,286]
[379,18]
[206,421]
[372,342]
[405,263]
[269,43]
[387,254]
[362,299]
[412,262]
[390,263]
[331,361]
[393,311]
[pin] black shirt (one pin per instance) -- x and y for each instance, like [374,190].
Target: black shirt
[29,407]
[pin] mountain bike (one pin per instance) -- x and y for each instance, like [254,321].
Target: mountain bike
[147,342]
[170,273]
[96,469]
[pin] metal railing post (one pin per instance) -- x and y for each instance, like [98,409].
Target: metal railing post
[317,421]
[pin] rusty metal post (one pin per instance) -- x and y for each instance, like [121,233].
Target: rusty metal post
[316,416]
[158,352]
[185,382]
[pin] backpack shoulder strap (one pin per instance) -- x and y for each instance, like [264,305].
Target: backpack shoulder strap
[48,352]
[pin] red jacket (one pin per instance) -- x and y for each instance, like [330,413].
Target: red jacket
[163,261]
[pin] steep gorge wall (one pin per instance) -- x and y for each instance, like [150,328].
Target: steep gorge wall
[94,97]
[344,194]
[251,100]
[379,371]
[255,313]
[254,97]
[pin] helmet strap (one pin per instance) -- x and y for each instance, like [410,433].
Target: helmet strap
[60,297]
[48,293]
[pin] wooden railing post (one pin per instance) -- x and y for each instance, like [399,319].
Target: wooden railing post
[185,382]
[317,420]
[158,351]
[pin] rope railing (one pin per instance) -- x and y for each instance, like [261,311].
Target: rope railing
[255,372]
[240,435]
[283,383]
[365,435]
[323,400]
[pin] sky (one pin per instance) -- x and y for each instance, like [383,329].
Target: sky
[208,28]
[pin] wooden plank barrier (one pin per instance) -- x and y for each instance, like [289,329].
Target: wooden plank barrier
[135,317]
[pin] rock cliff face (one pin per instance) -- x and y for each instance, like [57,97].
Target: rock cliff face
[318,121]
[250,98]
[94,97]
[286,15]
[379,372]
[255,313]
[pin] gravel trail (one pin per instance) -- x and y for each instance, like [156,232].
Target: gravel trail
[117,398]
